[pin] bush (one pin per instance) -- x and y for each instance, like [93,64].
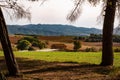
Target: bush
[77,45]
[41,45]
[23,45]
[31,48]
[47,42]
[30,39]
[92,49]
[100,49]
[33,41]
[59,46]
[117,50]
[35,44]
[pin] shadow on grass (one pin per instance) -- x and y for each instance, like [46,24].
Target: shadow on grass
[39,66]
[28,66]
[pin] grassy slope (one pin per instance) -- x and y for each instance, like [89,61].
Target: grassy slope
[88,57]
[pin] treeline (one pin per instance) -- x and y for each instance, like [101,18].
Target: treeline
[96,38]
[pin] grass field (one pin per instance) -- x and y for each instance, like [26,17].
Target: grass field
[75,57]
[63,66]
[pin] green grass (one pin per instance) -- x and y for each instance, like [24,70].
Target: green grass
[88,57]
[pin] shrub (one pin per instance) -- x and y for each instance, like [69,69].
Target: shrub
[30,39]
[31,48]
[77,45]
[33,41]
[59,46]
[35,44]
[92,49]
[47,42]
[117,50]
[87,50]
[100,49]
[23,45]
[41,45]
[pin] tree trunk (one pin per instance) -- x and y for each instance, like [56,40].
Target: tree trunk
[107,51]
[2,77]
[8,53]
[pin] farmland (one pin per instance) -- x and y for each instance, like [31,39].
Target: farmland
[63,65]
[67,40]
[54,65]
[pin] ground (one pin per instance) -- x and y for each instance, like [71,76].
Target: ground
[67,40]
[32,69]
[42,70]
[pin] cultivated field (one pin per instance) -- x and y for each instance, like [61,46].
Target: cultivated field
[36,65]
[67,40]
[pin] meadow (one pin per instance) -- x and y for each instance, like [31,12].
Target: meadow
[78,57]
[37,65]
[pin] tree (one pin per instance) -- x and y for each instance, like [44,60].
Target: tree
[109,8]
[19,12]
[23,45]
[77,45]
[8,53]
[108,33]
[27,43]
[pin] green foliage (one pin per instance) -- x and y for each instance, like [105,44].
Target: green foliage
[23,45]
[116,38]
[98,38]
[41,45]
[31,48]
[33,41]
[30,39]
[92,49]
[35,44]
[77,45]
[80,38]
[94,38]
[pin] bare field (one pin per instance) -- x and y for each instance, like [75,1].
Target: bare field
[67,40]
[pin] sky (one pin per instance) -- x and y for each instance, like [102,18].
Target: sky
[56,11]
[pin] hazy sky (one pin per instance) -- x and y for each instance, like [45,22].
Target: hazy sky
[56,11]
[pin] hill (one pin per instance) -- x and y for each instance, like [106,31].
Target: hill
[117,30]
[51,30]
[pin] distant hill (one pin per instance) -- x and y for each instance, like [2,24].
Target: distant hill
[117,30]
[51,30]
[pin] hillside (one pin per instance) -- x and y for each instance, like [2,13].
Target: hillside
[117,30]
[51,30]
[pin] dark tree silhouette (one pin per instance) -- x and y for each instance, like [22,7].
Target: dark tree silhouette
[19,12]
[109,7]
[107,51]
[8,53]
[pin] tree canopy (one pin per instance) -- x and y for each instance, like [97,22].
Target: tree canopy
[77,9]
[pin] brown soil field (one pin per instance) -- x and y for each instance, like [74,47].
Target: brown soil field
[67,40]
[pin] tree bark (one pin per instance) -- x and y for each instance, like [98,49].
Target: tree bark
[8,53]
[107,51]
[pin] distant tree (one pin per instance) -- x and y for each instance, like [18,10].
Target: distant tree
[23,45]
[77,45]
[30,39]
